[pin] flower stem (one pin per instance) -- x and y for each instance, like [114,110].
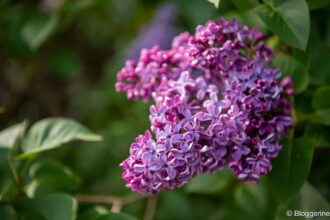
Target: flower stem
[151,207]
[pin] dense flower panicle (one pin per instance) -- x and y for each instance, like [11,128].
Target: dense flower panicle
[218,103]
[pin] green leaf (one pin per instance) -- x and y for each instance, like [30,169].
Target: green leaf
[177,205]
[37,30]
[308,199]
[247,17]
[303,105]
[7,213]
[321,98]
[115,216]
[288,19]
[50,207]
[256,200]
[8,139]
[295,69]
[53,132]
[9,135]
[93,213]
[317,4]
[312,199]
[207,183]
[319,56]
[321,104]
[5,187]
[319,135]
[291,168]
[49,176]
[215,2]
[245,5]
[321,116]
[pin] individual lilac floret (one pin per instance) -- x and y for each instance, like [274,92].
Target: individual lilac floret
[218,103]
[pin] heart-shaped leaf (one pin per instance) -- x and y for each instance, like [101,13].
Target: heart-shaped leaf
[49,207]
[8,139]
[53,132]
[288,19]
[9,135]
[291,168]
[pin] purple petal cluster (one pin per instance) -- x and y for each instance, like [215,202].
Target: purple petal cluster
[218,102]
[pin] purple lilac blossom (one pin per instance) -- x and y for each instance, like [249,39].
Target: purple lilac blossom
[218,103]
[159,31]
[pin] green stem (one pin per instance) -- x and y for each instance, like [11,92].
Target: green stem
[293,113]
[17,178]
[26,166]
[13,170]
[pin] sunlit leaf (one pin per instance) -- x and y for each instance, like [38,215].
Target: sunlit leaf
[53,132]
[9,135]
[215,2]
[37,30]
[8,139]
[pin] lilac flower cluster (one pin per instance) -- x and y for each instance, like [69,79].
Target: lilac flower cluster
[218,103]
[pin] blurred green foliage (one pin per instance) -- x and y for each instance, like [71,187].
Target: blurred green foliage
[60,58]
